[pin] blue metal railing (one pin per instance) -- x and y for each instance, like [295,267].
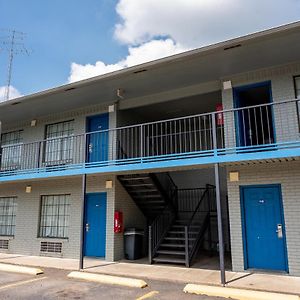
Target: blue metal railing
[250,129]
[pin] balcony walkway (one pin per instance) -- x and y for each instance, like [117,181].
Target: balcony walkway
[260,132]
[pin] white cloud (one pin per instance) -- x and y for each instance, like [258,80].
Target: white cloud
[154,29]
[13,93]
[146,52]
[194,23]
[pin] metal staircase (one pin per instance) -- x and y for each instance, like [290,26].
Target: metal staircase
[181,238]
[152,193]
[179,218]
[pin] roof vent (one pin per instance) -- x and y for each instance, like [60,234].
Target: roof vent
[70,89]
[15,103]
[232,47]
[139,71]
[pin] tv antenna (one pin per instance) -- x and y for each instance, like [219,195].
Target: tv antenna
[11,41]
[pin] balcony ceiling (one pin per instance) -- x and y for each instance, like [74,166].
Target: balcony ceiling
[208,64]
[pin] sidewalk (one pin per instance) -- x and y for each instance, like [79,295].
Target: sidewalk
[263,282]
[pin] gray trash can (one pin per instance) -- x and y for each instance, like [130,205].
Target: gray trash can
[133,243]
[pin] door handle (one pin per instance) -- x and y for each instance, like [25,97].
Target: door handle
[90,148]
[279,231]
[87,227]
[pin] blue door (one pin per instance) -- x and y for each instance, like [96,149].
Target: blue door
[254,126]
[97,139]
[95,225]
[263,228]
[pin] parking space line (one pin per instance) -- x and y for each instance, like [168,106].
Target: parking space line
[148,295]
[12,285]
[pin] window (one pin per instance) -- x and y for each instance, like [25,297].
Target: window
[11,144]
[59,143]
[54,216]
[297,86]
[7,216]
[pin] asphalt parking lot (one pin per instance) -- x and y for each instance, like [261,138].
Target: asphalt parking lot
[54,284]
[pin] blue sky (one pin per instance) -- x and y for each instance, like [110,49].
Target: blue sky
[72,40]
[58,32]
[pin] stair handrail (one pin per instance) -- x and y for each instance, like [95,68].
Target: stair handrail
[158,229]
[198,205]
[190,251]
[170,199]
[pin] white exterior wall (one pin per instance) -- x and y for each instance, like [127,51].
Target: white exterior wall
[282,88]
[26,239]
[288,175]
[37,133]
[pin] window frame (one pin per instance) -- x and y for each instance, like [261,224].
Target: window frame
[16,147]
[39,231]
[60,140]
[295,86]
[13,216]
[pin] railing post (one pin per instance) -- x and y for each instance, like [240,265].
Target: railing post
[150,244]
[214,133]
[85,150]
[141,143]
[41,154]
[0,143]
[187,258]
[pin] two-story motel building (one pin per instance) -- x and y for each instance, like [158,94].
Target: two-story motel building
[200,149]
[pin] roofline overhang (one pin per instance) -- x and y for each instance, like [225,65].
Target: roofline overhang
[202,51]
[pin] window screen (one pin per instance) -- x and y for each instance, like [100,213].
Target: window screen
[54,216]
[11,143]
[7,216]
[59,143]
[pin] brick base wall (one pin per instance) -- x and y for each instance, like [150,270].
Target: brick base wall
[288,175]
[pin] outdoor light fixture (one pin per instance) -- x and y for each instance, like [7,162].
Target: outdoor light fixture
[33,123]
[111,108]
[234,176]
[120,93]
[28,189]
[108,184]
[227,85]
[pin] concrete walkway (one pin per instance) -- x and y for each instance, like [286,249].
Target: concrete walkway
[264,282]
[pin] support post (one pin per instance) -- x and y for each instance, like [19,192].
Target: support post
[0,142]
[150,244]
[220,225]
[82,221]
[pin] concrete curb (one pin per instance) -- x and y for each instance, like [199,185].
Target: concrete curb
[108,279]
[20,269]
[235,293]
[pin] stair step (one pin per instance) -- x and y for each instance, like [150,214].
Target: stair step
[143,190]
[138,184]
[182,226]
[170,252]
[147,196]
[147,202]
[166,245]
[179,222]
[177,238]
[169,260]
[181,232]
[134,178]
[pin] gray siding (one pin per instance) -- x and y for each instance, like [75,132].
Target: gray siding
[282,87]
[288,175]
[26,239]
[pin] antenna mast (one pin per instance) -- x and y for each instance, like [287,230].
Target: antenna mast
[13,43]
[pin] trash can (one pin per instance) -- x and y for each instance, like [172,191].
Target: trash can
[133,243]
